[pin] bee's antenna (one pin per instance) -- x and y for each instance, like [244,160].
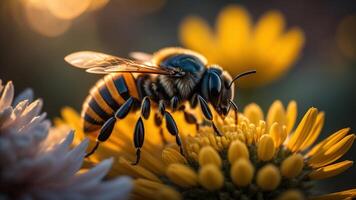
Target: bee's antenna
[241,75]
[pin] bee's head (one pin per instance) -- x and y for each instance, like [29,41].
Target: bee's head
[218,88]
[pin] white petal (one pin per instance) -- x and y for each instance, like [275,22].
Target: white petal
[118,189]
[20,107]
[92,176]
[27,94]
[5,115]
[7,95]
[71,163]
[29,113]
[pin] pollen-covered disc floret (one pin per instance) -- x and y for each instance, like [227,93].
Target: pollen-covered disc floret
[260,158]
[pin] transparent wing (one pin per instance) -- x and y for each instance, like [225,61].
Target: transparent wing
[100,63]
[141,56]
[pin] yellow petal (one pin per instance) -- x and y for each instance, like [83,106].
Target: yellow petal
[278,134]
[292,113]
[315,132]
[168,193]
[170,156]
[135,171]
[268,177]
[302,131]
[328,142]
[237,150]
[233,32]
[242,172]
[276,113]
[182,175]
[327,156]
[292,166]
[291,195]
[337,195]
[267,31]
[144,188]
[254,113]
[210,177]
[196,34]
[330,170]
[288,48]
[265,148]
[208,155]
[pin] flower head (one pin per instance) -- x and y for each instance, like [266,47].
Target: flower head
[238,46]
[37,161]
[260,157]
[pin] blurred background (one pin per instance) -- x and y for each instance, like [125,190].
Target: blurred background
[319,71]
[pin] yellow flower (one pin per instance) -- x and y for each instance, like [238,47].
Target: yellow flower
[239,46]
[261,157]
[120,142]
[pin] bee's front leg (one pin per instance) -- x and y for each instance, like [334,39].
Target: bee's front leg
[207,113]
[234,106]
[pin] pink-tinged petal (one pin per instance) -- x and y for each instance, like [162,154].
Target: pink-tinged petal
[7,96]
[27,94]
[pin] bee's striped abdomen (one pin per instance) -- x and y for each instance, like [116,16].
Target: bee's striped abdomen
[105,98]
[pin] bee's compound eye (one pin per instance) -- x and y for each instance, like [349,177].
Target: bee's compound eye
[214,85]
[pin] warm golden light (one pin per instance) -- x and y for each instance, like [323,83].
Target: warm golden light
[51,18]
[67,9]
[42,21]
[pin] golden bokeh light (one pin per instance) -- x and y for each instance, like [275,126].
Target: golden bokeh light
[51,18]
[40,19]
[67,9]
[345,36]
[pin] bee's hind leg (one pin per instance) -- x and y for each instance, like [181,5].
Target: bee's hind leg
[207,113]
[104,134]
[139,137]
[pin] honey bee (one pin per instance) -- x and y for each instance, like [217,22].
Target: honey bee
[168,79]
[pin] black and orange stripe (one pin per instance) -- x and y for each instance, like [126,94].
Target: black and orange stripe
[105,98]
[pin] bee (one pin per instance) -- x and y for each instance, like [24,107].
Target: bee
[165,81]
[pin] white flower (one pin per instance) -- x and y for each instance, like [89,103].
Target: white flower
[37,162]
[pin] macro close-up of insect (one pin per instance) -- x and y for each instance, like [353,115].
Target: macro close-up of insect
[164,81]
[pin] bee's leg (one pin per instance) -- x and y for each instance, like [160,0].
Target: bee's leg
[234,106]
[108,126]
[139,136]
[207,113]
[146,107]
[173,129]
[174,103]
[158,123]
[158,119]
[139,133]
[104,134]
[191,119]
